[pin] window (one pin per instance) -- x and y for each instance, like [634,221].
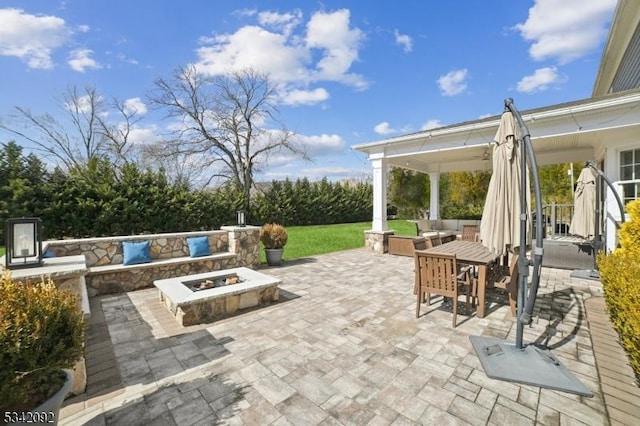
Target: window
[630,174]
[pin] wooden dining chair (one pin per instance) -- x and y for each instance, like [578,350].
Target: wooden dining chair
[433,241]
[437,274]
[419,243]
[470,232]
[506,278]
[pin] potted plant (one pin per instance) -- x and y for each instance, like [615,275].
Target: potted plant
[273,237]
[42,334]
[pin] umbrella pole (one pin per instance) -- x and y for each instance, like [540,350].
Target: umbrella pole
[528,364]
[601,174]
[527,301]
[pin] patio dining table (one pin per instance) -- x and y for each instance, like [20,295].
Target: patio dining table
[470,253]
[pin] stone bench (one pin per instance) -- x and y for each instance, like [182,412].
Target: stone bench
[230,247]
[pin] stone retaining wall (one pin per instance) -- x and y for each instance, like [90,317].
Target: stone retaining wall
[241,243]
[124,280]
[108,250]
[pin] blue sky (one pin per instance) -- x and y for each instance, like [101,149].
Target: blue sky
[349,72]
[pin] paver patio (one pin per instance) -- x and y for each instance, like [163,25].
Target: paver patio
[342,346]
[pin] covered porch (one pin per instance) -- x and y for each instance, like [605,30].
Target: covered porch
[595,129]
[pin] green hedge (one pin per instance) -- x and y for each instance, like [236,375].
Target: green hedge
[312,203]
[100,200]
[620,275]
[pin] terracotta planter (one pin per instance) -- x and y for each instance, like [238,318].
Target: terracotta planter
[274,256]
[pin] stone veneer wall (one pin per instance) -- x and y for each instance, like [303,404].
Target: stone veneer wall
[245,243]
[377,242]
[124,280]
[240,242]
[108,250]
[198,313]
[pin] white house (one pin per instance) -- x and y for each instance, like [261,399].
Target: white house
[604,128]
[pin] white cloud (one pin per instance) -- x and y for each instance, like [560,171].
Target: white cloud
[83,104]
[275,161]
[122,57]
[83,28]
[80,60]
[322,50]
[331,33]
[245,12]
[431,124]
[285,22]
[384,128]
[135,105]
[540,80]
[566,29]
[32,38]
[317,145]
[305,97]
[253,46]
[404,40]
[144,135]
[453,83]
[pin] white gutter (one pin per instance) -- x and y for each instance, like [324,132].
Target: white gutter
[548,113]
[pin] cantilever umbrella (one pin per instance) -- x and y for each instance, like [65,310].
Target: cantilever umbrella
[505,227]
[500,224]
[584,205]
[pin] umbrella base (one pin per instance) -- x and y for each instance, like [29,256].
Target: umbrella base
[586,274]
[529,365]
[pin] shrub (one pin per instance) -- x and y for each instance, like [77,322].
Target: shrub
[41,332]
[273,236]
[620,275]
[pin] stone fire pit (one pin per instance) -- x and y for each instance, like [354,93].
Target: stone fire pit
[194,299]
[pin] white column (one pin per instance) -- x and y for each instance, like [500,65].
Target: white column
[380,167]
[611,211]
[434,205]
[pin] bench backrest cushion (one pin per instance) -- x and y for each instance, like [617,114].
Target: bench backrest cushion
[198,246]
[423,225]
[135,252]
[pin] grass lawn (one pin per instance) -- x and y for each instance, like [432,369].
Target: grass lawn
[305,241]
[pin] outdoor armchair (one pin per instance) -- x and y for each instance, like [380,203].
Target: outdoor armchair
[438,274]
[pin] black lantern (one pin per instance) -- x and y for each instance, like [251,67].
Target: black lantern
[240,218]
[23,238]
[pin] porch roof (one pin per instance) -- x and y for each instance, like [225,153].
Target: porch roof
[567,132]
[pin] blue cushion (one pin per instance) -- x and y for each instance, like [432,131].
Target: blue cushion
[198,246]
[48,254]
[135,252]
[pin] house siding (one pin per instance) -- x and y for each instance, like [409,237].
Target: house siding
[628,74]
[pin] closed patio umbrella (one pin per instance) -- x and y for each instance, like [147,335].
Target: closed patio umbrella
[584,205]
[500,225]
[504,221]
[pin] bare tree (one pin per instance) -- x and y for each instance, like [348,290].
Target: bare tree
[117,144]
[223,121]
[84,135]
[180,168]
